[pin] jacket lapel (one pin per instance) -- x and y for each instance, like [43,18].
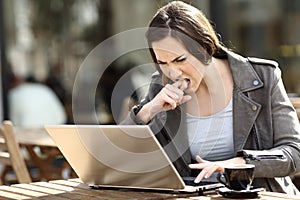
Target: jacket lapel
[245,109]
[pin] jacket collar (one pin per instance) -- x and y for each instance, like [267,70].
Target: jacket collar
[244,76]
[245,109]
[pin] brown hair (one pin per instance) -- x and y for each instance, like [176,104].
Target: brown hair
[187,24]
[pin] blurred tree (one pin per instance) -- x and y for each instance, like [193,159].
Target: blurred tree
[66,30]
[51,17]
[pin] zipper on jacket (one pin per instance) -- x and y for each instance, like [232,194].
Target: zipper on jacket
[255,136]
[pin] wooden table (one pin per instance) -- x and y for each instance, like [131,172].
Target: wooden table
[296,103]
[75,189]
[38,137]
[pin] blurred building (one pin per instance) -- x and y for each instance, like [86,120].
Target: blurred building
[55,37]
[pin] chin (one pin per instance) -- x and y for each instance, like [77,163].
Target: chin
[189,91]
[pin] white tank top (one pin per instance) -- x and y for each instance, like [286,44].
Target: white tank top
[211,137]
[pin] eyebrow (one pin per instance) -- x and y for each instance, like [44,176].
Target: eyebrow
[174,60]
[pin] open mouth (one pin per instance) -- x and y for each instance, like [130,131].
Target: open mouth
[187,80]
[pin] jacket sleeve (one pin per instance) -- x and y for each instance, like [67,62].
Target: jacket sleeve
[154,87]
[131,118]
[283,159]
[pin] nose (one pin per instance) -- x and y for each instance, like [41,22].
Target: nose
[174,73]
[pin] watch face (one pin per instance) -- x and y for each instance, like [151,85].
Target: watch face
[137,108]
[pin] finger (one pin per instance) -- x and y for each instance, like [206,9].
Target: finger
[181,84]
[177,84]
[196,166]
[200,176]
[170,103]
[200,165]
[184,85]
[175,93]
[185,98]
[175,89]
[173,96]
[212,169]
[200,160]
[172,93]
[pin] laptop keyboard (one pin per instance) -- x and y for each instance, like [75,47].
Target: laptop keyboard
[190,181]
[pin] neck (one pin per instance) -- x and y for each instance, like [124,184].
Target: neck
[215,91]
[215,77]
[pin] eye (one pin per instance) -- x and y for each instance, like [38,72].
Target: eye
[160,62]
[182,59]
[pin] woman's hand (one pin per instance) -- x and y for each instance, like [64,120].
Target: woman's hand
[208,168]
[168,98]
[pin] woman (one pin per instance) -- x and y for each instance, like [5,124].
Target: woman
[211,107]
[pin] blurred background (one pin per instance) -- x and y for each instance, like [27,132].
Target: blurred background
[46,41]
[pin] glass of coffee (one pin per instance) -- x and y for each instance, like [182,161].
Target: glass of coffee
[237,177]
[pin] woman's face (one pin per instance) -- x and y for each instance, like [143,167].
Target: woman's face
[177,63]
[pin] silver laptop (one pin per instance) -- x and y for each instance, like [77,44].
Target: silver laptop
[123,156]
